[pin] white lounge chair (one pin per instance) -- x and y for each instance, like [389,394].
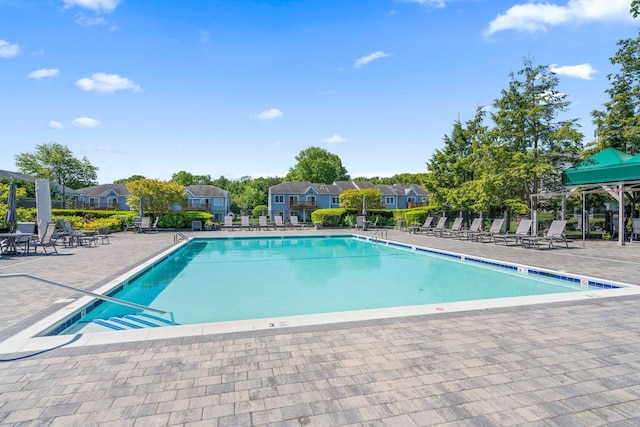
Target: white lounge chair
[295,222]
[263,223]
[244,222]
[554,234]
[228,223]
[280,222]
[523,230]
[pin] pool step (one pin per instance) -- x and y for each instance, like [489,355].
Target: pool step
[132,321]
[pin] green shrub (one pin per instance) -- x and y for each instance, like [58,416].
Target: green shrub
[417,216]
[329,217]
[259,210]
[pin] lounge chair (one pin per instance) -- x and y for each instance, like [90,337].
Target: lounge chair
[71,236]
[554,234]
[474,228]
[280,222]
[439,226]
[263,223]
[46,240]
[452,231]
[424,227]
[244,222]
[635,231]
[488,236]
[228,223]
[295,223]
[523,230]
[154,227]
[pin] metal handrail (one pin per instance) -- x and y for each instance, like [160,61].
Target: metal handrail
[179,234]
[91,294]
[381,232]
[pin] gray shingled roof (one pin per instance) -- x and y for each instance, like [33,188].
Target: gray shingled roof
[104,189]
[207,191]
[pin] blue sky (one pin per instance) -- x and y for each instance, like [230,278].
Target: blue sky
[239,88]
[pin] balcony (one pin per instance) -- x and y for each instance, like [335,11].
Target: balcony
[203,207]
[416,204]
[303,205]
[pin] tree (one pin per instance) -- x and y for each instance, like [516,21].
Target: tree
[55,162]
[186,179]
[158,196]
[618,125]
[131,178]
[356,198]
[319,166]
[527,126]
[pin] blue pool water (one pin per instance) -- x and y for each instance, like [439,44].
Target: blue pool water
[215,280]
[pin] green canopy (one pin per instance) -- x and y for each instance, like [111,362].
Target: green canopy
[609,165]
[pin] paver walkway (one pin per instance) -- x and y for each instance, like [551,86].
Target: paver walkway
[554,364]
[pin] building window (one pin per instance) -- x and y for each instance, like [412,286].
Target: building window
[278,198]
[218,201]
[335,200]
[411,199]
[390,200]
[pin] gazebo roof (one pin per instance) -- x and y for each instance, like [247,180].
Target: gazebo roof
[609,165]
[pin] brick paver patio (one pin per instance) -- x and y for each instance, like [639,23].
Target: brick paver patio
[562,364]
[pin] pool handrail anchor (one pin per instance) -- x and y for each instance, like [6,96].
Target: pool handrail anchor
[381,232]
[179,236]
[91,294]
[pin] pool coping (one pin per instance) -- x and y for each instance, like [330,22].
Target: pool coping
[27,341]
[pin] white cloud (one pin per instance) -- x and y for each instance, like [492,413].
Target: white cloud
[107,83]
[99,6]
[335,139]
[372,57]
[85,122]
[432,3]
[533,17]
[44,72]
[55,125]
[86,21]
[581,71]
[270,114]
[7,50]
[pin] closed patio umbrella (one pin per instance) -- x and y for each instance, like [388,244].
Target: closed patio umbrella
[11,217]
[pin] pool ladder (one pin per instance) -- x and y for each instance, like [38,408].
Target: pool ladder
[179,236]
[379,235]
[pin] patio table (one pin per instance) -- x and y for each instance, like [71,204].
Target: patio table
[11,248]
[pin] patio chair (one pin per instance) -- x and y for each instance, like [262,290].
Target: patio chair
[554,234]
[27,229]
[488,236]
[475,227]
[196,225]
[424,227]
[295,222]
[523,230]
[129,225]
[145,224]
[373,225]
[46,240]
[103,234]
[452,231]
[154,227]
[70,236]
[263,223]
[360,222]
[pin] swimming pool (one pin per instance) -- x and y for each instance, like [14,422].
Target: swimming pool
[236,279]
